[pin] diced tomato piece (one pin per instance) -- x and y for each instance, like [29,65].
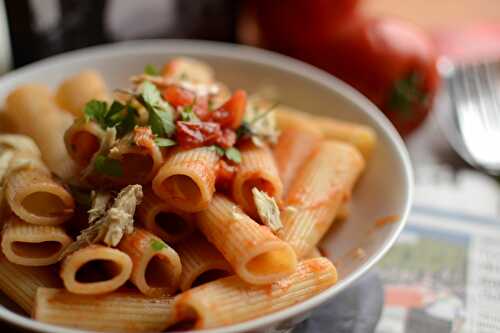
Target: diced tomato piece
[200,108]
[195,134]
[231,113]
[177,96]
[227,138]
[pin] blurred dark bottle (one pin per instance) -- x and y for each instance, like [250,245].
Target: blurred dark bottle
[41,28]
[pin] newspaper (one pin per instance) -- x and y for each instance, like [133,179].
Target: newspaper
[443,275]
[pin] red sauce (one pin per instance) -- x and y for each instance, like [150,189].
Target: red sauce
[316,264]
[386,220]
[225,175]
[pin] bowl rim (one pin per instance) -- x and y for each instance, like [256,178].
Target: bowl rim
[256,56]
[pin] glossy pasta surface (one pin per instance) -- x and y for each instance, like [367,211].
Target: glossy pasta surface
[173,203]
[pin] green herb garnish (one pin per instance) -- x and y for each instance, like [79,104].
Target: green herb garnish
[244,130]
[218,149]
[151,70]
[165,142]
[233,154]
[96,110]
[127,122]
[161,114]
[118,115]
[157,245]
[108,166]
[187,114]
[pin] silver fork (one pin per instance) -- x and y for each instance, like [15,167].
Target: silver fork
[475,105]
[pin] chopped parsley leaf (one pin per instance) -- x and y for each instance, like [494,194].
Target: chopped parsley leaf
[219,150]
[96,110]
[151,70]
[108,166]
[157,245]
[165,142]
[161,117]
[187,114]
[233,154]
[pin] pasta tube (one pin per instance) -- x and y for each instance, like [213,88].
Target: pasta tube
[187,179]
[33,245]
[254,252]
[19,143]
[257,169]
[34,195]
[34,113]
[20,283]
[9,145]
[123,311]
[230,300]
[139,157]
[317,193]
[81,276]
[156,267]
[297,141]
[189,69]
[77,90]
[361,136]
[201,262]
[83,140]
[315,253]
[163,220]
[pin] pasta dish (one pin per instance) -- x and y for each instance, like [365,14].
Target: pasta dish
[173,203]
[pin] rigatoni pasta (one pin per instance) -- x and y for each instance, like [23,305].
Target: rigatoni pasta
[95,270]
[362,137]
[201,262]
[231,300]
[122,311]
[255,253]
[33,194]
[317,193]
[33,245]
[156,267]
[187,179]
[20,283]
[24,106]
[194,206]
[257,169]
[298,140]
[83,139]
[77,90]
[138,155]
[160,218]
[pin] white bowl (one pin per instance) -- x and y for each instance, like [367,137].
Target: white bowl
[385,188]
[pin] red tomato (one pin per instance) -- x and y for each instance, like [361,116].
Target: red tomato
[231,113]
[295,24]
[391,62]
[195,134]
[227,139]
[177,96]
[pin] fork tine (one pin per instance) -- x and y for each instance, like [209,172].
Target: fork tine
[484,95]
[493,92]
